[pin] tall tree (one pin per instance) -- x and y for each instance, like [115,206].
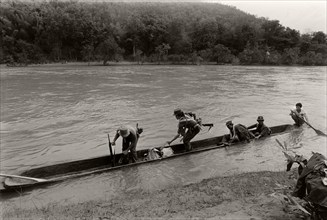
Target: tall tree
[109,50]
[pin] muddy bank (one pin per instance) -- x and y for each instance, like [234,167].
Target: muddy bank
[245,196]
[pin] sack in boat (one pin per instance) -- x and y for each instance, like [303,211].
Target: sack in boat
[155,153]
[167,152]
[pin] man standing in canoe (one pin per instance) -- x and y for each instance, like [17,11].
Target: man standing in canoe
[188,128]
[260,129]
[130,137]
[299,115]
[237,133]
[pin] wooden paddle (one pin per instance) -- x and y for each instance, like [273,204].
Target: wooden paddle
[24,177]
[316,130]
[112,156]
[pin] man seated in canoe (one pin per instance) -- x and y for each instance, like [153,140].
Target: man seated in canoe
[188,128]
[260,129]
[130,137]
[299,115]
[237,133]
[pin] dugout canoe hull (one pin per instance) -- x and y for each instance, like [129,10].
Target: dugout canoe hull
[68,170]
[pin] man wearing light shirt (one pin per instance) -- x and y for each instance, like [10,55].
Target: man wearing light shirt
[299,115]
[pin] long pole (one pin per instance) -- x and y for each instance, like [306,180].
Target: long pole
[112,156]
[316,130]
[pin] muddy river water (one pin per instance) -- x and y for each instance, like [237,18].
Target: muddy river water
[59,113]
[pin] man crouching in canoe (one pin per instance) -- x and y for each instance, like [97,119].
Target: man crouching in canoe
[188,123]
[299,115]
[130,137]
[237,133]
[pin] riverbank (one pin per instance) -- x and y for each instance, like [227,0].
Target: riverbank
[131,63]
[255,195]
[120,63]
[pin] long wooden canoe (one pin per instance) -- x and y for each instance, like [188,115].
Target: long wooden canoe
[59,172]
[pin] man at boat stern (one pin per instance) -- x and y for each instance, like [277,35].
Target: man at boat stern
[188,128]
[299,115]
[260,129]
[129,141]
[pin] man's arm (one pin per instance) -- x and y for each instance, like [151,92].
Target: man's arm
[264,132]
[115,138]
[252,126]
[293,112]
[131,145]
[234,136]
[305,117]
[251,134]
[176,136]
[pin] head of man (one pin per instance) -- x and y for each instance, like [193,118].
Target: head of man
[298,106]
[229,125]
[124,131]
[260,120]
[178,113]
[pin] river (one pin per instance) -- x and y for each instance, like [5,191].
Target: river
[58,113]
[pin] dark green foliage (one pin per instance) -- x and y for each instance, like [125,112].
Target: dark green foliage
[309,58]
[162,51]
[109,50]
[290,56]
[273,58]
[180,33]
[221,54]
[253,55]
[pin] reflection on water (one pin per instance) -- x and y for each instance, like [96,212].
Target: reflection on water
[52,114]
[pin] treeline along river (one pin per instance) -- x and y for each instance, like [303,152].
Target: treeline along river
[42,32]
[58,113]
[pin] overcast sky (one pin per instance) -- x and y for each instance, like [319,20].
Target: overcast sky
[305,16]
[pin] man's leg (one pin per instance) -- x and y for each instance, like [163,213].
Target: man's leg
[133,155]
[226,138]
[298,121]
[124,158]
[242,133]
[190,134]
[187,145]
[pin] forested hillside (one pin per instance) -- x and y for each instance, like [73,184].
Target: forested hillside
[56,31]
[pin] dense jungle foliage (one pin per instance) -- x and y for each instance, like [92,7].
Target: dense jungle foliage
[180,33]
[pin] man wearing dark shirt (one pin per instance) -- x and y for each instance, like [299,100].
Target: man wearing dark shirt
[187,128]
[260,129]
[130,137]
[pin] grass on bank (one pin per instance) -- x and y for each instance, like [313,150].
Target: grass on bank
[244,194]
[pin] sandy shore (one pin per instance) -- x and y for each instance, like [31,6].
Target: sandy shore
[246,196]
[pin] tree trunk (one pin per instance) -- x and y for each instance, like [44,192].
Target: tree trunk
[134,52]
[105,62]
